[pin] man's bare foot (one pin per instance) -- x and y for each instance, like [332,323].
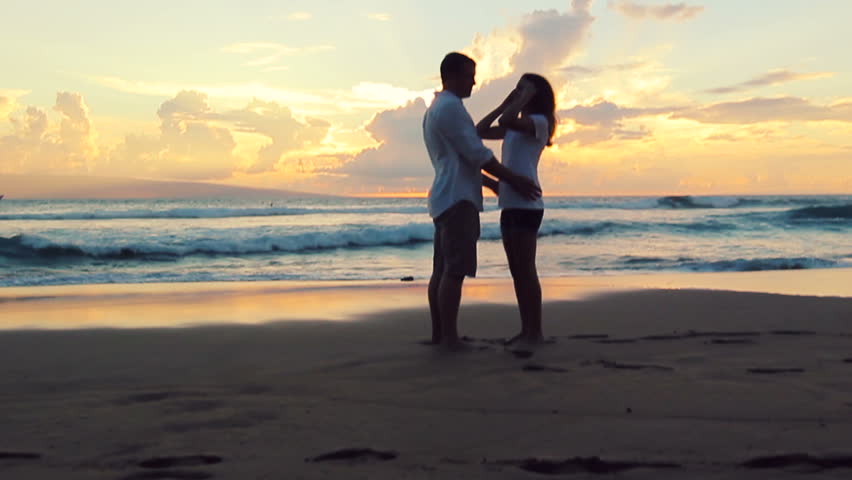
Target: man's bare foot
[456,346]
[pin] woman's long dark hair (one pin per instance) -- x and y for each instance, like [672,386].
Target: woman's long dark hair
[544,101]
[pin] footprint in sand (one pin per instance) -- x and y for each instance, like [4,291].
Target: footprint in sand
[182,461]
[159,468]
[522,353]
[581,465]
[194,406]
[628,366]
[847,360]
[773,371]
[664,337]
[731,341]
[694,333]
[466,345]
[799,459]
[19,456]
[792,332]
[489,341]
[354,455]
[148,397]
[243,420]
[534,367]
[169,475]
[254,389]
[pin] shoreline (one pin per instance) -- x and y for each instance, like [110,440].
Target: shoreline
[163,305]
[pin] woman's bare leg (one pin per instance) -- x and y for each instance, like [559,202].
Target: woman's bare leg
[520,246]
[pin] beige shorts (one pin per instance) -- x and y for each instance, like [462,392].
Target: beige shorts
[456,234]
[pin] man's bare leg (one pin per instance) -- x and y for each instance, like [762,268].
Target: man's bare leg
[449,300]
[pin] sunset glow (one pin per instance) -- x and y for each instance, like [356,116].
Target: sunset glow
[655,97]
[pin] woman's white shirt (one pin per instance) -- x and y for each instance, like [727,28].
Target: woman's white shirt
[521,153]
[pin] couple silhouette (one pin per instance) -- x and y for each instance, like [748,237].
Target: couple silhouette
[525,121]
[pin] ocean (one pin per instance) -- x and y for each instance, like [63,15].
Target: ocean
[63,242]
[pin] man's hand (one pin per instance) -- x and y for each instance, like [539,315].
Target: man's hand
[525,187]
[521,184]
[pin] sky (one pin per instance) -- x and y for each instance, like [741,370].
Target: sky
[703,97]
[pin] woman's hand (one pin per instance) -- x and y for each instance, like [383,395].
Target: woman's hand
[510,98]
[528,88]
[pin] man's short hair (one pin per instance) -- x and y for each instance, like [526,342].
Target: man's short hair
[454,63]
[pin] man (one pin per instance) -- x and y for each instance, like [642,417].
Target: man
[455,199]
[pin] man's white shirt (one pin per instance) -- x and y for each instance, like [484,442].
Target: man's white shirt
[457,154]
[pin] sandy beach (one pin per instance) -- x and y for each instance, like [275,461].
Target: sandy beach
[683,376]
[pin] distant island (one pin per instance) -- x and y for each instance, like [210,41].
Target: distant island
[91,187]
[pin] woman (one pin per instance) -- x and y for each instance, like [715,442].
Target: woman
[526,122]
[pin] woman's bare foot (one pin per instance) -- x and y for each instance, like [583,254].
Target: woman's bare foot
[529,340]
[517,338]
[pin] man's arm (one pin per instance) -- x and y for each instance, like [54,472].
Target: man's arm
[521,184]
[491,184]
[486,131]
[459,130]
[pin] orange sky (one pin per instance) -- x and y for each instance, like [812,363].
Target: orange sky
[655,97]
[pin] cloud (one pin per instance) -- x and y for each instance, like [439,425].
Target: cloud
[189,146]
[299,16]
[603,120]
[778,109]
[38,145]
[578,71]
[636,11]
[541,41]
[380,17]
[546,41]
[75,131]
[746,134]
[7,105]
[276,123]
[363,96]
[401,153]
[197,143]
[773,77]
[268,53]
[9,101]
[549,38]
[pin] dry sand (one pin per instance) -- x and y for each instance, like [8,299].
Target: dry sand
[654,383]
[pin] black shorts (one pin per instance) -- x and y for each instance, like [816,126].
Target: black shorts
[456,233]
[521,219]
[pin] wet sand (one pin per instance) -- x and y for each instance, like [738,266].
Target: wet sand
[647,383]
